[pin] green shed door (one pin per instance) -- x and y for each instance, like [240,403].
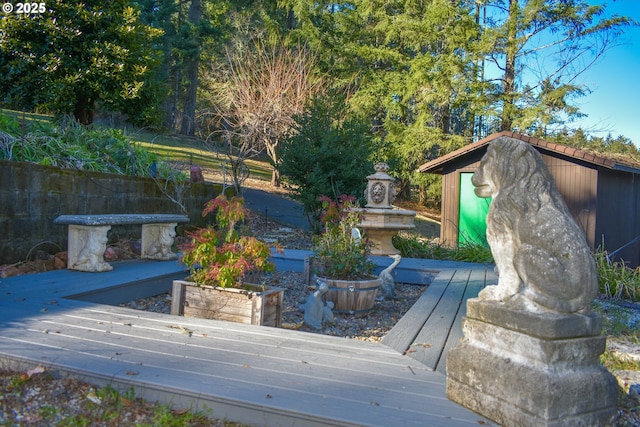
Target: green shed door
[473,213]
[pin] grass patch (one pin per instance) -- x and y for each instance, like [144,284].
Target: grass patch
[620,326]
[36,138]
[614,361]
[36,397]
[616,319]
[616,280]
[412,246]
[77,147]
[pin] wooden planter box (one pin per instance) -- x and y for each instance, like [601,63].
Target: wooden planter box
[255,307]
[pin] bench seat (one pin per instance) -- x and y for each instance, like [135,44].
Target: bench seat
[120,219]
[87,237]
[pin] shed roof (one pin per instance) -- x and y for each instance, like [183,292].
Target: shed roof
[437,165]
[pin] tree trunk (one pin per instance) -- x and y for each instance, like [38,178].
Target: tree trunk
[168,69]
[508,105]
[275,177]
[405,189]
[273,155]
[445,118]
[168,73]
[187,126]
[83,110]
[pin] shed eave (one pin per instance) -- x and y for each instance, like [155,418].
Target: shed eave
[437,166]
[624,168]
[435,169]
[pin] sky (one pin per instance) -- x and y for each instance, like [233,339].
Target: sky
[613,106]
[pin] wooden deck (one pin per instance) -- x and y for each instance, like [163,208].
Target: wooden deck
[433,325]
[254,375]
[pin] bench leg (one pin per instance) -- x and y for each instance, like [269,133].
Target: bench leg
[157,240]
[86,248]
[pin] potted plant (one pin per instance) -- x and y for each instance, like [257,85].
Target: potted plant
[341,257]
[220,259]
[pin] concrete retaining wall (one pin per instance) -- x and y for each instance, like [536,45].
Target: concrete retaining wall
[32,196]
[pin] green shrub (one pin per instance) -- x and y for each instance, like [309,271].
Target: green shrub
[329,154]
[410,246]
[338,253]
[74,146]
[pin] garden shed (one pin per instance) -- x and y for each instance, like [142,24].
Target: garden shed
[601,191]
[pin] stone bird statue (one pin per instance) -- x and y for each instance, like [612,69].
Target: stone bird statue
[388,285]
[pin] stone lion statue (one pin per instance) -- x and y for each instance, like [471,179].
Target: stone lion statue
[161,247]
[91,256]
[541,253]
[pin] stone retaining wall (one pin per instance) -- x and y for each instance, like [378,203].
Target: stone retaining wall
[32,196]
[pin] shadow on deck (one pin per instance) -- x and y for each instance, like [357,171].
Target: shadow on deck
[254,375]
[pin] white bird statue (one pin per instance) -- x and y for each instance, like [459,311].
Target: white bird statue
[356,235]
[388,285]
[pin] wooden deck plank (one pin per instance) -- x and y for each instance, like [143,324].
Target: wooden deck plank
[225,331]
[325,405]
[433,325]
[405,331]
[294,348]
[359,396]
[431,339]
[255,375]
[62,283]
[477,281]
[275,345]
[250,368]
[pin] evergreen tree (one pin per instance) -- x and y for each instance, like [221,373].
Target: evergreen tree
[74,55]
[193,31]
[331,154]
[539,48]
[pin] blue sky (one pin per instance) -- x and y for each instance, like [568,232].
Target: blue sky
[613,106]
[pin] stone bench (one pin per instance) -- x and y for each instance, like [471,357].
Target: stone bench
[88,237]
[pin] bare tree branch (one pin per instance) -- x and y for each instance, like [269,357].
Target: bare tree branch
[266,87]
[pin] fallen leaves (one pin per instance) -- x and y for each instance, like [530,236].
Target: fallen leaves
[411,350]
[50,399]
[31,372]
[184,330]
[423,345]
[293,326]
[93,397]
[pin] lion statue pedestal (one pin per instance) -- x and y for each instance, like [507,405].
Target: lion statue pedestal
[531,346]
[531,369]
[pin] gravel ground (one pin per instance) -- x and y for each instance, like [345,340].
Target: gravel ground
[371,326]
[39,398]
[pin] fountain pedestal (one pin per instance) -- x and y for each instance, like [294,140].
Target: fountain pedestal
[380,220]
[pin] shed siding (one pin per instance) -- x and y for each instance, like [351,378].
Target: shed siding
[450,208]
[619,193]
[577,184]
[601,194]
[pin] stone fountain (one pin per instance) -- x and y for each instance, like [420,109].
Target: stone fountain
[380,220]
